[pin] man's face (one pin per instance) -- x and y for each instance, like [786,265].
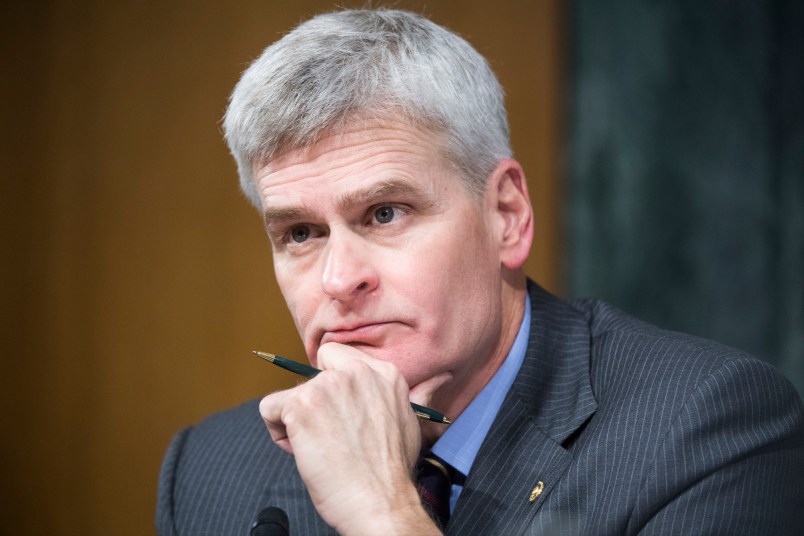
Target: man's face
[378,244]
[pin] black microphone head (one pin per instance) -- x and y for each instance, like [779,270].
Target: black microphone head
[271,521]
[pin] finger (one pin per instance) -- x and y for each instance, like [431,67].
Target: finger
[423,392]
[334,356]
[271,410]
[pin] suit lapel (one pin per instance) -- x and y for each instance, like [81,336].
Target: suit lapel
[523,456]
[509,467]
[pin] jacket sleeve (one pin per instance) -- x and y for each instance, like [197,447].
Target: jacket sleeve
[165,502]
[733,460]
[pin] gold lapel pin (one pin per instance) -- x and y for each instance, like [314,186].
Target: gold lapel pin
[536,491]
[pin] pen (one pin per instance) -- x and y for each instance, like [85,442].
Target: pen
[308,372]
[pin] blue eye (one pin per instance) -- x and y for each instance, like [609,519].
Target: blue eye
[384,214]
[300,234]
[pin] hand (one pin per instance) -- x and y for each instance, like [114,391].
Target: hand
[355,440]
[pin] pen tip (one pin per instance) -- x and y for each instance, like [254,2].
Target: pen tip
[447,421]
[266,356]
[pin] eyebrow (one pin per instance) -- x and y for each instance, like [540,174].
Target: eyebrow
[375,192]
[346,202]
[274,217]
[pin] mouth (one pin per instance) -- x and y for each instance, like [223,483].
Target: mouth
[369,334]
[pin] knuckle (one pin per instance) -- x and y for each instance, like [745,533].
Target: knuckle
[358,367]
[267,406]
[326,352]
[311,395]
[388,369]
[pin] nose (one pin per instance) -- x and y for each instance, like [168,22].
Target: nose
[348,274]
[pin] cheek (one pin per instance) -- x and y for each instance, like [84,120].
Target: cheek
[438,272]
[462,285]
[464,261]
[296,291]
[302,306]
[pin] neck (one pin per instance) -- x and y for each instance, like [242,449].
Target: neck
[457,395]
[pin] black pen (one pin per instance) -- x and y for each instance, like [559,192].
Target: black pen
[308,372]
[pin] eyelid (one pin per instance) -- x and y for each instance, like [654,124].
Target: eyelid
[399,210]
[279,234]
[285,236]
[278,229]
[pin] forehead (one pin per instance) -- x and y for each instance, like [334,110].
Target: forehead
[354,158]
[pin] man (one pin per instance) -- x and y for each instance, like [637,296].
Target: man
[375,144]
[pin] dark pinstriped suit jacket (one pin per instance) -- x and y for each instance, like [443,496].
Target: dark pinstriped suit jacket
[631,429]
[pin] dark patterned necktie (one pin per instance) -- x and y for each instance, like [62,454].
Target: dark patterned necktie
[432,479]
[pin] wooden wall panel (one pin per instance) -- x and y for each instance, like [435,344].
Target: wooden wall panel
[136,277]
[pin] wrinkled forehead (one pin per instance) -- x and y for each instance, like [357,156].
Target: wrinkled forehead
[353,151]
[364,122]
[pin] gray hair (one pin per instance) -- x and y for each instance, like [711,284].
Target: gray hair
[371,64]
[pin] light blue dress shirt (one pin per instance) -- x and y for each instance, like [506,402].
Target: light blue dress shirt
[460,443]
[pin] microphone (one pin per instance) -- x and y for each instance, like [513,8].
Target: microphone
[271,521]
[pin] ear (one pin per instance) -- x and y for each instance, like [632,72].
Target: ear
[510,203]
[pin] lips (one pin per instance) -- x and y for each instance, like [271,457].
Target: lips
[370,334]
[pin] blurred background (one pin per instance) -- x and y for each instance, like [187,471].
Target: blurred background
[664,147]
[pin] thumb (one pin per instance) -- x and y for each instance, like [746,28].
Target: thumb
[423,392]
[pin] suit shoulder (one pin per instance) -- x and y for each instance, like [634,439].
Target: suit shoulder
[238,420]
[229,440]
[615,333]
[629,356]
[221,438]
[226,455]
